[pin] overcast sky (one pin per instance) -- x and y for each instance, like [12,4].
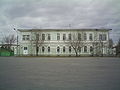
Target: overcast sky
[59,14]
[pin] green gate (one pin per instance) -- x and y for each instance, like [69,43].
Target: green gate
[5,52]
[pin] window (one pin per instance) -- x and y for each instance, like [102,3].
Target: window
[69,36]
[69,49]
[64,36]
[64,49]
[58,49]
[85,49]
[26,37]
[58,36]
[79,36]
[25,48]
[100,36]
[85,36]
[90,37]
[23,37]
[104,37]
[43,36]
[37,37]
[43,49]
[49,37]
[79,48]
[48,49]
[91,49]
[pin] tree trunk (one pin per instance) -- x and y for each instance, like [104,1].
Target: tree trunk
[76,53]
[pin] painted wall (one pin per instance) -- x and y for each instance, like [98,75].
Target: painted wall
[54,43]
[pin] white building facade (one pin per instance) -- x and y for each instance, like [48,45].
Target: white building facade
[52,42]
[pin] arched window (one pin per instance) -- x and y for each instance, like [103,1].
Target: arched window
[64,49]
[43,49]
[91,49]
[69,49]
[58,49]
[48,49]
[85,49]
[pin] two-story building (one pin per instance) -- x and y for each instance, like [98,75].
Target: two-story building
[59,42]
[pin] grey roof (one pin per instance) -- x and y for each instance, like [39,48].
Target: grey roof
[28,30]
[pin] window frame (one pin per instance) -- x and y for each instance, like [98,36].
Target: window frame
[43,36]
[58,36]
[70,36]
[58,49]
[64,49]
[85,49]
[49,37]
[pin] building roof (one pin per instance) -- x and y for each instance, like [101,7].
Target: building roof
[29,30]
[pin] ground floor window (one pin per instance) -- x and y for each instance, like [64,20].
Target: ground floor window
[58,49]
[69,49]
[64,49]
[79,48]
[85,49]
[91,49]
[43,49]
[48,49]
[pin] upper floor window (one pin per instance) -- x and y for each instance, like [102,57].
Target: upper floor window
[48,49]
[85,36]
[104,37]
[64,49]
[64,36]
[100,36]
[23,38]
[58,36]
[85,49]
[43,36]
[79,36]
[90,37]
[37,37]
[70,36]
[26,37]
[49,37]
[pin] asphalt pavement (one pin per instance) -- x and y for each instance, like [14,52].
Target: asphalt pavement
[52,73]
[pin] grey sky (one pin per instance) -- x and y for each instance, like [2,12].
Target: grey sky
[59,14]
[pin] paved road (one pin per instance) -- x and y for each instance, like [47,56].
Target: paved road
[25,73]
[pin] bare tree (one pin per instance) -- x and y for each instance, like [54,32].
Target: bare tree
[76,43]
[110,46]
[118,48]
[37,41]
[99,44]
[7,41]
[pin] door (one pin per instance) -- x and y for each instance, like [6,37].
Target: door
[25,51]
